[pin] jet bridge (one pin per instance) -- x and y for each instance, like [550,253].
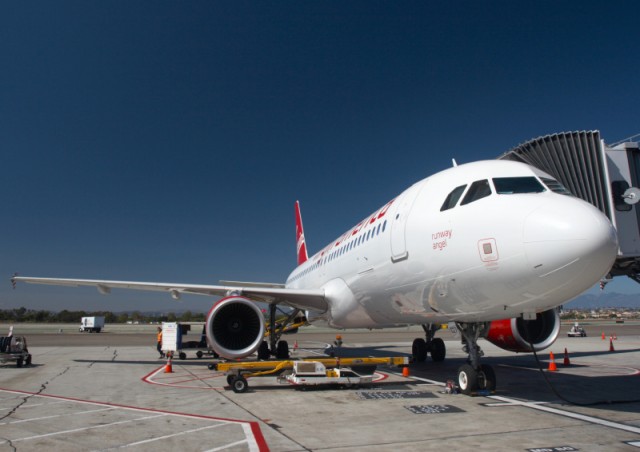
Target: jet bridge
[607,176]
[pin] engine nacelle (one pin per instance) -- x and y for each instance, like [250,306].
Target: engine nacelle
[515,334]
[235,327]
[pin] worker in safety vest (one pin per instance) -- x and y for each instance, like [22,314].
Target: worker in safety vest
[160,342]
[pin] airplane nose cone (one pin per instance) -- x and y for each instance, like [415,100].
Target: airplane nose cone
[570,240]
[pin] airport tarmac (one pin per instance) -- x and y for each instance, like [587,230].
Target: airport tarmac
[106,391]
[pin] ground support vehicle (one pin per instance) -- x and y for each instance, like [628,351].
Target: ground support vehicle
[14,348]
[577,331]
[200,346]
[91,324]
[238,372]
[313,373]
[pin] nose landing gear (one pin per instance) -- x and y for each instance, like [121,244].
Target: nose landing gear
[474,376]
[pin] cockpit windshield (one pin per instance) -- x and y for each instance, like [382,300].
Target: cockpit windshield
[516,185]
[556,186]
[478,190]
[453,198]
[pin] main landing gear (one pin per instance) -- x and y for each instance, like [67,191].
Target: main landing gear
[435,346]
[474,376]
[276,347]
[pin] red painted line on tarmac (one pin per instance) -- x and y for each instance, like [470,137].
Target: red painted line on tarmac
[255,427]
[149,379]
[381,376]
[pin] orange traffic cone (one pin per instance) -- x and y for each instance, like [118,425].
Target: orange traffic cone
[168,369]
[615,338]
[566,358]
[611,349]
[405,371]
[603,335]
[295,346]
[552,363]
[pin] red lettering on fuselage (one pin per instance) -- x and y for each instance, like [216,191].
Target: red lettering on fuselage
[440,239]
[377,215]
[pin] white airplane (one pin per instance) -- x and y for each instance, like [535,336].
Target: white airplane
[494,246]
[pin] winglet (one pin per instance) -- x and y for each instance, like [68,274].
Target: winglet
[301,246]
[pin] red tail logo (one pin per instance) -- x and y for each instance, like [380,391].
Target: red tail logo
[301,246]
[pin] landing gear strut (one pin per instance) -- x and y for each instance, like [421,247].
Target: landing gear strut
[473,375]
[276,347]
[421,347]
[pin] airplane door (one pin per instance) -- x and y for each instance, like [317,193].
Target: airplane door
[399,223]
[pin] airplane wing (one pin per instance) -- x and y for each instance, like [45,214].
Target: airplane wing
[312,299]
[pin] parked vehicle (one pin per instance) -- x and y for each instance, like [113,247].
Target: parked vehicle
[91,324]
[577,331]
[14,348]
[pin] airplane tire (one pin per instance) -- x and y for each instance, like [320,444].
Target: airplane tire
[487,378]
[263,351]
[239,384]
[282,350]
[419,350]
[438,350]
[467,379]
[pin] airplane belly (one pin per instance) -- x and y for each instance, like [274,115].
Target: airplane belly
[344,309]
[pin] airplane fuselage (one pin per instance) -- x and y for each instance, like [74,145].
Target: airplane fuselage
[477,242]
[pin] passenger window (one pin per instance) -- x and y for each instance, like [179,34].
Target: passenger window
[478,190]
[452,198]
[516,185]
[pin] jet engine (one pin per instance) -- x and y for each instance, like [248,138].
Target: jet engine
[235,327]
[516,334]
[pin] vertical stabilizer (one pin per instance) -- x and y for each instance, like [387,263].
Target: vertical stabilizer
[301,246]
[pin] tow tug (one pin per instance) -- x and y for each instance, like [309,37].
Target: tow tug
[577,331]
[14,348]
[325,370]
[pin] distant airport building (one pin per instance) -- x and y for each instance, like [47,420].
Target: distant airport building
[607,176]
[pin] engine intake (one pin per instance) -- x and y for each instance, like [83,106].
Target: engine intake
[516,334]
[235,327]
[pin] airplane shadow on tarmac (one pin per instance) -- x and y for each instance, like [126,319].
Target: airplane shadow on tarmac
[597,384]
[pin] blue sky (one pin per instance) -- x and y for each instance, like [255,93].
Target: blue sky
[168,141]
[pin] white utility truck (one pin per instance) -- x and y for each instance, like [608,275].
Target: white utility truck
[91,324]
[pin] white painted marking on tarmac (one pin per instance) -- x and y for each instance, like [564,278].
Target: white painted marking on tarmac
[237,443]
[634,443]
[255,440]
[251,439]
[580,417]
[53,416]
[75,430]
[159,438]
[32,405]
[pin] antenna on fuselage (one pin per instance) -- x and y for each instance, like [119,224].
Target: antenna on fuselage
[454,162]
